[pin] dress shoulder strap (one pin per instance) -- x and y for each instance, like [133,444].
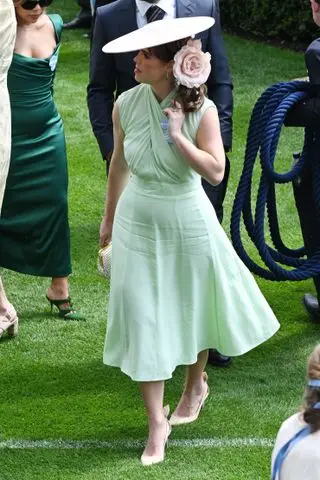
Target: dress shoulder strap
[57,25]
[286,449]
[130,102]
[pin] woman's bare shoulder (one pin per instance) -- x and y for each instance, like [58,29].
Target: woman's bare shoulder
[45,24]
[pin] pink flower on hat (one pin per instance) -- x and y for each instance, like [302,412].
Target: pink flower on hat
[191,65]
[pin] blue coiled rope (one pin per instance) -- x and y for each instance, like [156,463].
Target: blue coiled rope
[263,136]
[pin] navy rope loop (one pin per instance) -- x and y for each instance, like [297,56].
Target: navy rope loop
[263,136]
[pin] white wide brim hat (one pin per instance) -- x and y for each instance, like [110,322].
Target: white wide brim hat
[158,33]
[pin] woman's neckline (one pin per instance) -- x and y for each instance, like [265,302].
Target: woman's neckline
[36,58]
[165,100]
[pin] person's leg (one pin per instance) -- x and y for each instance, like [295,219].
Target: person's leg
[83,18]
[152,393]
[8,315]
[310,228]
[85,11]
[316,281]
[195,388]
[59,288]
[84,4]
[58,295]
[5,305]
[216,195]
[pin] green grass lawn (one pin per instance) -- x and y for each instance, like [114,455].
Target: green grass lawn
[53,383]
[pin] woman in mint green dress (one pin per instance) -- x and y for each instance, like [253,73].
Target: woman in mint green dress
[34,228]
[177,286]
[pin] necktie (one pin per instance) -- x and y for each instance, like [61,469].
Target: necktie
[154,13]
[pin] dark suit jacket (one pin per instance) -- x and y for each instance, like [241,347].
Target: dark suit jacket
[100,3]
[114,73]
[307,113]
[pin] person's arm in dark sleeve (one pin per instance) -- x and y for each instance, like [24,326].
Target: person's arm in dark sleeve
[100,92]
[219,82]
[304,114]
[312,58]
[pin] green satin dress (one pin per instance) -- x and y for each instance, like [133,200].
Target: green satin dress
[34,228]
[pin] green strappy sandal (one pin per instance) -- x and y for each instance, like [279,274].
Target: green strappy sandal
[65,308]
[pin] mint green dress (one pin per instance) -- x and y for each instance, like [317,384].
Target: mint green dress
[34,228]
[177,285]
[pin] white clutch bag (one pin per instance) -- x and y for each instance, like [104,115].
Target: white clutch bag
[104,260]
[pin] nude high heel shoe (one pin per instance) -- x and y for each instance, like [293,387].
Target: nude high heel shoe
[9,323]
[148,460]
[177,420]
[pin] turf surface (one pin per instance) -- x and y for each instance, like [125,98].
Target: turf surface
[53,383]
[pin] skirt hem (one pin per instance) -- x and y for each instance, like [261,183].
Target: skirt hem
[32,272]
[159,378]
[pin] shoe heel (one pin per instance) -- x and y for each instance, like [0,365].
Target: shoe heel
[51,302]
[166,411]
[65,309]
[13,329]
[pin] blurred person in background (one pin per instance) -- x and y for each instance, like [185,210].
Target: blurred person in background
[296,454]
[307,114]
[83,18]
[86,16]
[8,316]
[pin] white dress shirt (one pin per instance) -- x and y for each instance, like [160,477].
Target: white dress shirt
[169,7]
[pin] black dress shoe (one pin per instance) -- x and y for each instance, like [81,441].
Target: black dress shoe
[218,360]
[78,23]
[312,306]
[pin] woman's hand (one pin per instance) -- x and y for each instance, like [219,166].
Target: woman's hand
[206,156]
[105,232]
[176,118]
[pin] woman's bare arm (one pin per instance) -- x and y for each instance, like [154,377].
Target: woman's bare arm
[207,157]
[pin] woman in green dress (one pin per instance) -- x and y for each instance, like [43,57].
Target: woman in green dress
[178,287]
[34,228]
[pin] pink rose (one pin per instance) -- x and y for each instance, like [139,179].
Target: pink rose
[191,65]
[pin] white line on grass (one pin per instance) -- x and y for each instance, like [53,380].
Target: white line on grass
[134,444]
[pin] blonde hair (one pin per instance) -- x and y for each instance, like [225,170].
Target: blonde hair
[312,395]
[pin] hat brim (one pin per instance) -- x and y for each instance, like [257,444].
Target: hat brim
[158,33]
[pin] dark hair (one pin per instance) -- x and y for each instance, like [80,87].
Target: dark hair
[191,98]
[312,415]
